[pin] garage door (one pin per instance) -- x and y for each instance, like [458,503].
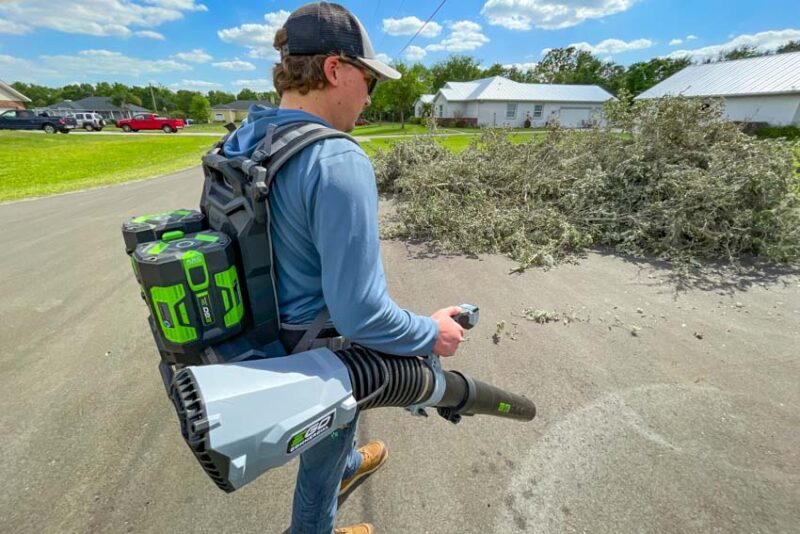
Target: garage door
[574,117]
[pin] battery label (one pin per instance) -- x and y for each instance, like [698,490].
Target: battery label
[312,431]
[204,305]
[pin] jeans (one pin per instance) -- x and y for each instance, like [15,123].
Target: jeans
[322,469]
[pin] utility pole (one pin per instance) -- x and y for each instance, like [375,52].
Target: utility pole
[155,108]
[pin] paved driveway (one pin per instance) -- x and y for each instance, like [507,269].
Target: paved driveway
[659,410]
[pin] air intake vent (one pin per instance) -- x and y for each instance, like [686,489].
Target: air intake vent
[194,425]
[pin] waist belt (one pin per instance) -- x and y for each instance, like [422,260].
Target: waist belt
[300,338]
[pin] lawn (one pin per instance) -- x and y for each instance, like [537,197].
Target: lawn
[36,164]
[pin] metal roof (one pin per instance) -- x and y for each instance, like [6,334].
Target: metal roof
[500,88]
[776,74]
[426,99]
[95,103]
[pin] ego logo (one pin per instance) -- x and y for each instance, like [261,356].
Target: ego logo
[312,431]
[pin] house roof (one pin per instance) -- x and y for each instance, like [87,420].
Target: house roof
[500,88]
[426,99]
[776,74]
[95,103]
[13,92]
[243,105]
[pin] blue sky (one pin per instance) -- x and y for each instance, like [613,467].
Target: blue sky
[226,45]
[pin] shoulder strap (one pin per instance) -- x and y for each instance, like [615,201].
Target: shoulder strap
[280,144]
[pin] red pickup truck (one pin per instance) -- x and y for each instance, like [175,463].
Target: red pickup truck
[149,121]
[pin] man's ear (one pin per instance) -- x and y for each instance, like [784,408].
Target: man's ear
[330,67]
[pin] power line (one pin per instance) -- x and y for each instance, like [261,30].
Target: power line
[396,11]
[422,27]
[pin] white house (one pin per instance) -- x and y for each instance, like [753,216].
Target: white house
[500,102]
[759,89]
[419,105]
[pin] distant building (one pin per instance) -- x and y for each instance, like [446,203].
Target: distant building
[758,89]
[10,98]
[500,102]
[422,101]
[95,104]
[235,111]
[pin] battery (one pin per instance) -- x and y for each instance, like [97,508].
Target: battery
[193,290]
[146,228]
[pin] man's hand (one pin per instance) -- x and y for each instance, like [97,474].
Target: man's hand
[450,332]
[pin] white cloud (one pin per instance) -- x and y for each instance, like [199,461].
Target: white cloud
[198,55]
[415,53]
[410,26]
[261,84]
[523,67]
[549,14]
[22,70]
[676,42]
[464,35]
[613,46]
[768,40]
[257,38]
[194,85]
[14,28]
[384,58]
[98,17]
[108,62]
[691,37]
[236,64]
[150,35]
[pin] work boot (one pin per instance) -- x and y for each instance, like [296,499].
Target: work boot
[361,528]
[373,455]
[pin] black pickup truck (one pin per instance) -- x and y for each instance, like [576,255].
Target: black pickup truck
[24,119]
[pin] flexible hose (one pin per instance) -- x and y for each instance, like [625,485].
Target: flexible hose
[384,380]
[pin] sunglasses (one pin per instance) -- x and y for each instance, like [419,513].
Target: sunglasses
[369,78]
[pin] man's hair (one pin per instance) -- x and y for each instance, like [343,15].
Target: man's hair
[302,73]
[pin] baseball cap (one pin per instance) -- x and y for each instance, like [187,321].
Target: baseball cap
[325,28]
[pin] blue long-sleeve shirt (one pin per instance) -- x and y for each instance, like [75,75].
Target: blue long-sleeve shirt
[324,205]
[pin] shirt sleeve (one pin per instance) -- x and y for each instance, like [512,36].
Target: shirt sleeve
[343,212]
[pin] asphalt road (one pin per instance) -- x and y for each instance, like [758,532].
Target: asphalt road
[660,409]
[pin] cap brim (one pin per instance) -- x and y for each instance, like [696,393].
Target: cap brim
[384,71]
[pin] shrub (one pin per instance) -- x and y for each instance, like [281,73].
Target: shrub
[777,132]
[678,183]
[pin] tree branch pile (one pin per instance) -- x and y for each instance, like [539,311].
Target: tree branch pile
[667,178]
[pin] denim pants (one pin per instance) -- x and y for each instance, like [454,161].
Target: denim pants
[322,469]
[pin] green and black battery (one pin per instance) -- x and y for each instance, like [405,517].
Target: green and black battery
[193,289]
[146,228]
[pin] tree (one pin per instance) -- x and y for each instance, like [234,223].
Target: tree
[400,95]
[455,68]
[76,92]
[184,99]
[200,109]
[574,66]
[791,46]
[740,52]
[643,75]
[247,94]
[220,97]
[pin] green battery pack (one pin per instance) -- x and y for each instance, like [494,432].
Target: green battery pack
[146,228]
[193,290]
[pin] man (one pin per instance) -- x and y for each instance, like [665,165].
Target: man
[324,228]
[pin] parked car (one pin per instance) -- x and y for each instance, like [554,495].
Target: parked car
[25,119]
[91,122]
[150,121]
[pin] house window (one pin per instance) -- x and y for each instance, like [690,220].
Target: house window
[441,110]
[219,117]
[538,109]
[511,111]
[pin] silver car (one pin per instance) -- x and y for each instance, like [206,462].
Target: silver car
[91,122]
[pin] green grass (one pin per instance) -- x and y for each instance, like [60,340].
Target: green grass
[389,128]
[36,164]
